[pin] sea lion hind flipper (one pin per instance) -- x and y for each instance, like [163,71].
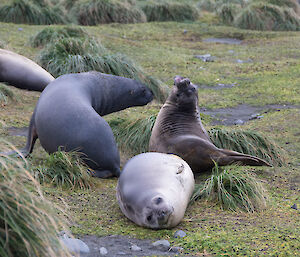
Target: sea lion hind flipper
[230,157]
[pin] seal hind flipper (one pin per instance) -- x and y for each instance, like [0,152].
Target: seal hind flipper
[104,173]
[232,157]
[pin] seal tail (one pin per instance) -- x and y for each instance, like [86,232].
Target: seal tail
[31,138]
[230,157]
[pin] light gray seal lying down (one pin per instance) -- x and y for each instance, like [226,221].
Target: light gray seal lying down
[154,189]
[19,71]
[68,116]
[178,130]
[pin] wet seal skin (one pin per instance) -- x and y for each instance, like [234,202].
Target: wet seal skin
[68,117]
[17,70]
[154,189]
[178,130]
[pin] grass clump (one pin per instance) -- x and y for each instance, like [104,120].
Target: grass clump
[248,142]
[50,34]
[264,16]
[233,189]
[72,55]
[169,11]
[5,94]
[95,12]
[227,12]
[26,11]
[65,169]
[133,135]
[28,224]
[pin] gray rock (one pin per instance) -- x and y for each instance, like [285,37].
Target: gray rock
[103,251]
[135,248]
[20,29]
[75,245]
[205,57]
[162,245]
[231,51]
[175,249]
[294,206]
[121,253]
[242,61]
[179,233]
[239,122]
[185,31]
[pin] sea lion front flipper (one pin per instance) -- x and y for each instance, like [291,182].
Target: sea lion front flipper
[228,157]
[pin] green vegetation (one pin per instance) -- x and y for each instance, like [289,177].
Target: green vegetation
[233,189]
[51,34]
[169,11]
[26,11]
[66,170]
[95,12]
[28,225]
[227,12]
[5,94]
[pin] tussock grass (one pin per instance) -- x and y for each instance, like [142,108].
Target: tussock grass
[169,11]
[133,135]
[5,94]
[232,189]
[72,55]
[264,16]
[25,11]
[65,169]
[283,3]
[28,223]
[51,34]
[227,12]
[106,11]
[248,142]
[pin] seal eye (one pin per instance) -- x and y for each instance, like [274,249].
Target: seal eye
[149,218]
[158,200]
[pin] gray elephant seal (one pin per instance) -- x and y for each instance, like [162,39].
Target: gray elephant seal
[178,130]
[17,70]
[68,116]
[154,189]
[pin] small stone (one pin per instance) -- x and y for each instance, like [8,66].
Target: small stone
[205,57]
[121,253]
[20,29]
[103,251]
[163,245]
[185,31]
[135,248]
[231,51]
[294,206]
[179,233]
[239,122]
[175,249]
[75,245]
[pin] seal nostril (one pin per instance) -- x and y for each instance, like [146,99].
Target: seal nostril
[149,218]
[158,200]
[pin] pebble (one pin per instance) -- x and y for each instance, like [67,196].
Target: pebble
[175,249]
[179,233]
[238,122]
[103,251]
[294,206]
[242,61]
[163,245]
[185,31]
[205,57]
[121,253]
[20,29]
[75,245]
[135,248]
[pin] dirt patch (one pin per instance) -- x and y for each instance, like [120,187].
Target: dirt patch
[121,246]
[242,113]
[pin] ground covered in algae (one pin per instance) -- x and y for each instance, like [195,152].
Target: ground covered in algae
[263,69]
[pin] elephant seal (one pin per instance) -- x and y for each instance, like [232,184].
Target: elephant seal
[178,130]
[154,189]
[17,70]
[68,117]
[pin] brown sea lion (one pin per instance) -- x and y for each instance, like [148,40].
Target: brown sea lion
[178,130]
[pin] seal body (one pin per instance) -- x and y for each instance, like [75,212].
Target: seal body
[178,130]
[17,70]
[68,117]
[154,189]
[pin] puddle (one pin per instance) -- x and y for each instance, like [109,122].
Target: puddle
[242,113]
[15,131]
[229,41]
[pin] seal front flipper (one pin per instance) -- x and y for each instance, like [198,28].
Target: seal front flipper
[228,157]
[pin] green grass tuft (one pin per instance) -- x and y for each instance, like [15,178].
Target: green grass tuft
[106,11]
[72,55]
[25,11]
[169,11]
[5,94]
[233,189]
[248,142]
[263,16]
[65,169]
[51,34]
[227,12]
[28,223]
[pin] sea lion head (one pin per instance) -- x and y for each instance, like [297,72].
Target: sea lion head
[184,93]
[141,94]
[157,213]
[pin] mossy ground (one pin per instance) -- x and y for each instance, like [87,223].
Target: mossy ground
[165,50]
